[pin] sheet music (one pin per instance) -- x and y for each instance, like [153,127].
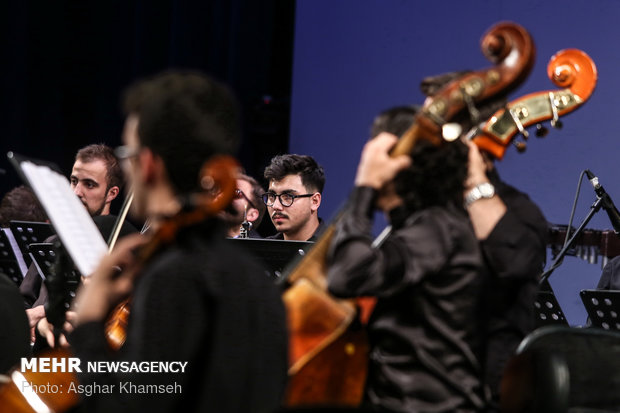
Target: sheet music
[18,253]
[73,224]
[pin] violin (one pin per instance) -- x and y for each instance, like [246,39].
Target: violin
[218,182]
[327,344]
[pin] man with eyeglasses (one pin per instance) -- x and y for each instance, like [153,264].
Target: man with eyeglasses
[247,208]
[294,196]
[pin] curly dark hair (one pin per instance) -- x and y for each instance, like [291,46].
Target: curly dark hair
[437,174]
[311,173]
[96,151]
[185,118]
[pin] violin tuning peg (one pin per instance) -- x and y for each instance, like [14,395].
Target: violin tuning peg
[541,131]
[556,123]
[521,146]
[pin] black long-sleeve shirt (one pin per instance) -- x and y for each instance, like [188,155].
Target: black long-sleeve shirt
[610,277]
[514,253]
[204,302]
[425,331]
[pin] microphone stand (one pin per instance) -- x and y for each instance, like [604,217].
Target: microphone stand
[596,206]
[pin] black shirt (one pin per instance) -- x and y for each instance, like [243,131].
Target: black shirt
[313,238]
[33,289]
[206,302]
[514,254]
[424,332]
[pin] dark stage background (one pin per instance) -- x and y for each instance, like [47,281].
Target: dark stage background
[65,64]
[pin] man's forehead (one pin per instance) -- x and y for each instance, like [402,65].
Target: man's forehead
[244,185]
[94,169]
[289,182]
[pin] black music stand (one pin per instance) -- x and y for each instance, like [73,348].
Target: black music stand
[61,278]
[74,226]
[10,255]
[603,307]
[27,233]
[547,309]
[43,254]
[276,255]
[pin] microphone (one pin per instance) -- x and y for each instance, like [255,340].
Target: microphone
[606,202]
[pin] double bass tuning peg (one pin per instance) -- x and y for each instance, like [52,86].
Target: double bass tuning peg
[521,146]
[541,131]
[555,121]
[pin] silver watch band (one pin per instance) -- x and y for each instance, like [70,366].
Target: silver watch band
[485,190]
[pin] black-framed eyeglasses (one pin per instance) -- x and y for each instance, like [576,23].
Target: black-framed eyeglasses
[125,152]
[286,199]
[239,194]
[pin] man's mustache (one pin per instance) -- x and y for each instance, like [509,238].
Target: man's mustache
[278,215]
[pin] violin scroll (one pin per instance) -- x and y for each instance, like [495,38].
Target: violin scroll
[218,180]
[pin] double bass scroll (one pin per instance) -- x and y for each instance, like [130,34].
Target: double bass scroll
[571,69]
[506,44]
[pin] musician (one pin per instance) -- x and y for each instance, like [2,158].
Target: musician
[294,196]
[513,236]
[96,178]
[195,299]
[610,277]
[425,331]
[247,209]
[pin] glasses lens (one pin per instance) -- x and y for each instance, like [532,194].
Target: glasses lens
[269,198]
[120,152]
[238,193]
[286,199]
[124,152]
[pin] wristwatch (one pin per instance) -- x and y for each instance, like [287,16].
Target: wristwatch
[485,190]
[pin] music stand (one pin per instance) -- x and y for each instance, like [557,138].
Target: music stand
[73,224]
[603,307]
[43,254]
[277,255]
[27,233]
[12,262]
[548,310]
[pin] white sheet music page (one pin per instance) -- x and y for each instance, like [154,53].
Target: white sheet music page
[70,219]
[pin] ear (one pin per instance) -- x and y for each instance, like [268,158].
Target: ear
[252,214]
[149,166]
[112,194]
[315,201]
